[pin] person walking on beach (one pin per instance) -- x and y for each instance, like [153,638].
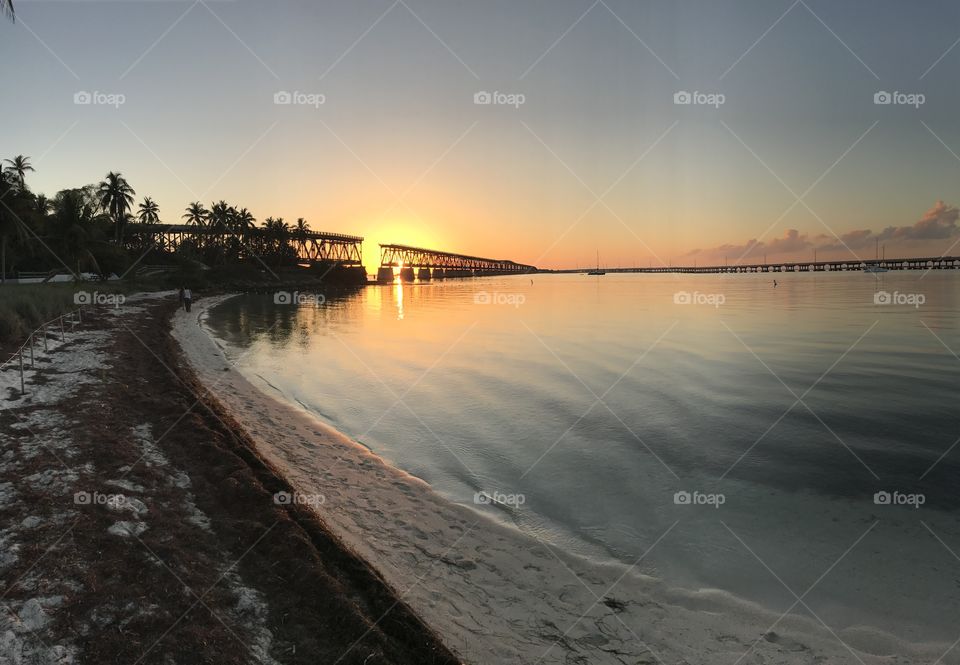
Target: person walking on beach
[187,298]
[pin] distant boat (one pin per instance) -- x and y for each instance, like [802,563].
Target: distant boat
[597,271]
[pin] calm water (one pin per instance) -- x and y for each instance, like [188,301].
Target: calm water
[599,398]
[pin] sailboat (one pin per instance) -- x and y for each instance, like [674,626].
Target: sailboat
[877,267]
[597,271]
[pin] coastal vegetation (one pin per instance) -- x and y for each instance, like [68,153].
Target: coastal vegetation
[94,233]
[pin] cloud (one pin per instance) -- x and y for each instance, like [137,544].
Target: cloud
[938,223]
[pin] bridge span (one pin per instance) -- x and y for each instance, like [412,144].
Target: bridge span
[423,264]
[307,246]
[873,265]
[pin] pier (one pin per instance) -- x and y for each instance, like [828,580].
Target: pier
[425,264]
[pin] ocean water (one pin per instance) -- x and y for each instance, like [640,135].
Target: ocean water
[766,425]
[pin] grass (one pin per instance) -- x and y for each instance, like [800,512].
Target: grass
[24,307]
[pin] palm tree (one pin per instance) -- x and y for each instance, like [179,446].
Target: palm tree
[6,7]
[10,225]
[196,214]
[19,166]
[116,198]
[42,204]
[149,211]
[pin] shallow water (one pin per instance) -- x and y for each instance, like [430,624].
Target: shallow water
[586,403]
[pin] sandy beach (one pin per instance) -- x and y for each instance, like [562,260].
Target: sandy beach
[494,594]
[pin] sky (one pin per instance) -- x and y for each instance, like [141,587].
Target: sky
[583,148]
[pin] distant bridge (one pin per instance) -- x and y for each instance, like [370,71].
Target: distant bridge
[310,246]
[420,263]
[926,263]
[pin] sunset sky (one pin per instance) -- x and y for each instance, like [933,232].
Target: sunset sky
[598,157]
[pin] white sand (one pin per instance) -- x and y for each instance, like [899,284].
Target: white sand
[498,596]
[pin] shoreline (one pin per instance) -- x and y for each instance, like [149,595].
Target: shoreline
[492,592]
